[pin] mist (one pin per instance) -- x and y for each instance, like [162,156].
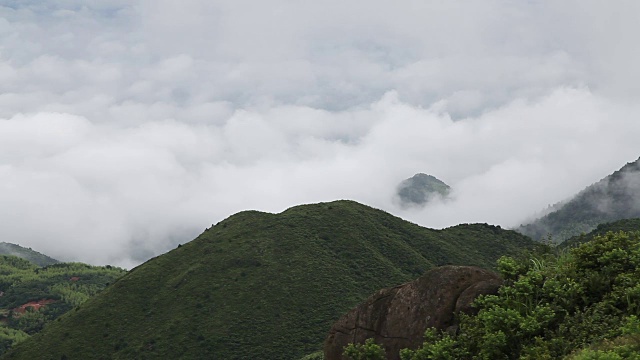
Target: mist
[128,127]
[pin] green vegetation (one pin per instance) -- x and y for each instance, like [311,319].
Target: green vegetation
[577,304]
[421,188]
[26,253]
[613,198]
[318,355]
[10,337]
[367,351]
[32,296]
[261,286]
[626,225]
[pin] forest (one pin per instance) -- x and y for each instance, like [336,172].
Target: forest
[32,296]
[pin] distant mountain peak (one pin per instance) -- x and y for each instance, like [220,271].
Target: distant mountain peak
[26,253]
[421,188]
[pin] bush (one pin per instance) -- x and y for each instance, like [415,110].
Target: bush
[367,351]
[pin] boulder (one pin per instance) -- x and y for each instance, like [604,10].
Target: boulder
[397,317]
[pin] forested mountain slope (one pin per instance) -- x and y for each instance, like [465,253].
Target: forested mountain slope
[615,197]
[260,285]
[26,253]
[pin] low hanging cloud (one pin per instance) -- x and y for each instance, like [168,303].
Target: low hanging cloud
[127,127]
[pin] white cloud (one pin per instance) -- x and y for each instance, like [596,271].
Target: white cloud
[127,127]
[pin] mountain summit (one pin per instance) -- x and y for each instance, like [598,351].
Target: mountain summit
[419,189]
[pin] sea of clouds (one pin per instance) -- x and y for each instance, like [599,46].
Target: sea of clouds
[128,127]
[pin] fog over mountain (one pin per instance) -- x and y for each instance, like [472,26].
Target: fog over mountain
[127,127]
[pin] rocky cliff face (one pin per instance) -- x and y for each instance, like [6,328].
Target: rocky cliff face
[397,317]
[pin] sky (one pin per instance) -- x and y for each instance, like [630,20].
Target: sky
[130,126]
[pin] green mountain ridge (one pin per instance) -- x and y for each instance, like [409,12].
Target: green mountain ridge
[615,197]
[261,286]
[26,253]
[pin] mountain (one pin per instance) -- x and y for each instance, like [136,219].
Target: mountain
[615,197]
[420,189]
[261,286]
[26,253]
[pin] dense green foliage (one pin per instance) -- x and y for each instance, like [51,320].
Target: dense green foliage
[420,188]
[367,351]
[261,286]
[318,355]
[613,198]
[59,287]
[582,304]
[9,337]
[26,253]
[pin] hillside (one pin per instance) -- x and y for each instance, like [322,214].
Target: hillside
[615,197]
[32,296]
[260,285]
[625,225]
[26,253]
[420,189]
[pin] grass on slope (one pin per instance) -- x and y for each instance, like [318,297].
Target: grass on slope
[261,286]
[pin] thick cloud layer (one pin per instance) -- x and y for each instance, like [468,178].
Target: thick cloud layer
[127,127]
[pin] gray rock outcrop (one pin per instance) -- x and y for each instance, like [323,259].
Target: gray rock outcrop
[397,317]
